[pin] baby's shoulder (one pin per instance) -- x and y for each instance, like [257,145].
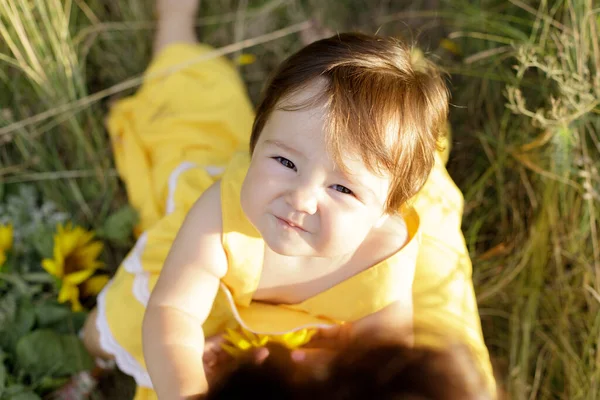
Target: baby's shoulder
[203,226]
[208,208]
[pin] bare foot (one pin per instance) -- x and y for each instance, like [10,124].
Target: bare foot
[167,8]
[176,22]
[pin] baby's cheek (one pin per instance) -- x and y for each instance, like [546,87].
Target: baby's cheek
[346,226]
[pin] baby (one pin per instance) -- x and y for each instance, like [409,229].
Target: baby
[330,208]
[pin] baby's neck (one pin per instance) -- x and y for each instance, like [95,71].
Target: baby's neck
[292,280]
[308,267]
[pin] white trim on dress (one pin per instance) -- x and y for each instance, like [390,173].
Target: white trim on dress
[125,361]
[133,265]
[180,169]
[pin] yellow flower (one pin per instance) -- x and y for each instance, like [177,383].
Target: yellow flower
[451,46]
[94,285]
[6,241]
[245,59]
[74,261]
[237,342]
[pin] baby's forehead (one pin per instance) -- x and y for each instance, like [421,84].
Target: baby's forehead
[306,115]
[311,94]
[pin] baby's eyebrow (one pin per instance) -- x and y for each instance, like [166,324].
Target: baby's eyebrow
[284,147]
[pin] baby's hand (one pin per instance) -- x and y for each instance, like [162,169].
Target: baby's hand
[323,345]
[217,362]
[332,337]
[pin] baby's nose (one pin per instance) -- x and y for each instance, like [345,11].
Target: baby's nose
[303,199]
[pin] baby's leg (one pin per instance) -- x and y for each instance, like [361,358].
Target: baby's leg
[175,23]
[91,337]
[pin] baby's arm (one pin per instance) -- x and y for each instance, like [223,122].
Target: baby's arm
[394,323]
[173,338]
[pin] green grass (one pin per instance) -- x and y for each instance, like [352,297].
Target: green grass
[534,191]
[526,148]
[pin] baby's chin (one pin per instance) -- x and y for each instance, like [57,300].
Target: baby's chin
[288,248]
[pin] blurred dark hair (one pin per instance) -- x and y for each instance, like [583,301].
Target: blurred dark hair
[382,371]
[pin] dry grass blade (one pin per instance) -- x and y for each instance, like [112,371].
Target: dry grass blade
[5,133]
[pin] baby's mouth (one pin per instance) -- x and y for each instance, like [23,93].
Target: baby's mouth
[290,224]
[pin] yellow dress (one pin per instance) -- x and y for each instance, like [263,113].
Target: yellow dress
[184,130]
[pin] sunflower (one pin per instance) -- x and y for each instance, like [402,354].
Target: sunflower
[238,341]
[6,241]
[75,260]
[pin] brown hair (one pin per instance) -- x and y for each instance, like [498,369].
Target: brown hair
[360,371]
[382,103]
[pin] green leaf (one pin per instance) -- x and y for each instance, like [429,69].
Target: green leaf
[2,376]
[75,356]
[50,313]
[23,320]
[43,241]
[19,392]
[8,310]
[119,225]
[71,324]
[48,384]
[78,320]
[27,395]
[46,353]
[39,353]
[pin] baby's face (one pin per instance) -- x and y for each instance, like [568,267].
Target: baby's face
[298,199]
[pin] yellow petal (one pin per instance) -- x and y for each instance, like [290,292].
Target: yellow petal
[232,350]
[293,340]
[76,305]
[245,59]
[6,237]
[2,257]
[65,240]
[94,285]
[232,335]
[78,277]
[90,251]
[52,267]
[83,236]
[70,293]
[451,46]
[67,243]
[236,339]
[262,341]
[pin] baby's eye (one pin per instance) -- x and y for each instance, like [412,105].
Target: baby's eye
[342,189]
[285,162]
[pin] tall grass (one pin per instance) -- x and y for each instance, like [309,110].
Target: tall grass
[533,202]
[68,156]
